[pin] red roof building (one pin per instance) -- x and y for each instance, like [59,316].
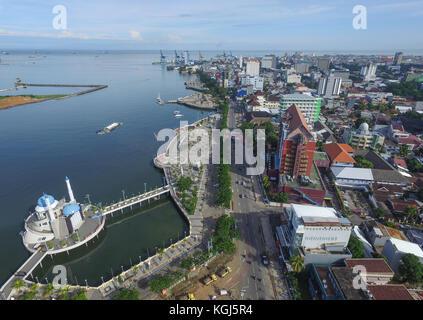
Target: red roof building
[296,145]
[390,292]
[340,154]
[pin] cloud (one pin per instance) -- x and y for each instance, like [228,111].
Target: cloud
[135,35]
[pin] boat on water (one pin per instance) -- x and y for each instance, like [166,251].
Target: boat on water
[160,100]
[110,128]
[177,114]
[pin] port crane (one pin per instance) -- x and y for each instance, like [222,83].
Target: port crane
[162,58]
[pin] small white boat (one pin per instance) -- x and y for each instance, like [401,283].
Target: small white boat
[160,100]
[179,115]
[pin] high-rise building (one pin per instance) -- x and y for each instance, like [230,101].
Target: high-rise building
[309,106]
[253,67]
[240,61]
[296,144]
[323,64]
[368,72]
[302,67]
[329,86]
[398,59]
[268,62]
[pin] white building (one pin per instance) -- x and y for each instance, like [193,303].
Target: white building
[253,67]
[347,176]
[394,249]
[312,228]
[291,77]
[52,219]
[368,72]
[268,62]
[309,106]
[330,86]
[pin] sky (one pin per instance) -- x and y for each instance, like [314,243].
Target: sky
[211,25]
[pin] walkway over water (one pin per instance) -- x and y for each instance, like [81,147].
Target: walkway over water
[134,200]
[22,273]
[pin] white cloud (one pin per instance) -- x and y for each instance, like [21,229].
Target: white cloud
[136,35]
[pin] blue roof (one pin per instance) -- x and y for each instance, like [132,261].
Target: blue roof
[42,200]
[70,209]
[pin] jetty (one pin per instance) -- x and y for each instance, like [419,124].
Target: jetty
[197,101]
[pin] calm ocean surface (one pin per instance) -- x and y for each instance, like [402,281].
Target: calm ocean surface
[42,143]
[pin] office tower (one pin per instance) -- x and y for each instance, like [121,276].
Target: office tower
[323,64]
[398,59]
[368,72]
[268,62]
[329,86]
[253,67]
[309,106]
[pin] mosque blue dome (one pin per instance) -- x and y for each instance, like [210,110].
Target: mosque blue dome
[70,209]
[42,201]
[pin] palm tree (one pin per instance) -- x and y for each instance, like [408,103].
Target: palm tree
[48,290]
[18,285]
[297,262]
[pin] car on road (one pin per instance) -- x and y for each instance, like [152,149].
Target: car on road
[242,196]
[20,274]
[265,260]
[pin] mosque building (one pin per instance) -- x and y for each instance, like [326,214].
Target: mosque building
[52,220]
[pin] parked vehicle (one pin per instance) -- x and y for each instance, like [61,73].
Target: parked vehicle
[223,271]
[265,260]
[208,279]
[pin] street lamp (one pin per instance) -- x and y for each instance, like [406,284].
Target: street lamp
[86,282]
[121,268]
[145,187]
[123,193]
[88,198]
[102,280]
[140,258]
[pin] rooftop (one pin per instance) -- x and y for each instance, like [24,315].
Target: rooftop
[345,279]
[313,211]
[407,247]
[372,265]
[390,292]
[339,152]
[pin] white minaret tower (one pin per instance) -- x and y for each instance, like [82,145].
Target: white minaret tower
[71,197]
[50,211]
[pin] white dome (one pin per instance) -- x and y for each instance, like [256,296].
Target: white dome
[364,127]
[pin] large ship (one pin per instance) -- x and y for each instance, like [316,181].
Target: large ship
[110,128]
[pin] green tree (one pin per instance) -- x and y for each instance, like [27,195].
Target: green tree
[380,213]
[411,213]
[80,295]
[411,269]
[266,182]
[18,285]
[48,290]
[127,294]
[403,150]
[184,183]
[362,162]
[356,247]
[297,263]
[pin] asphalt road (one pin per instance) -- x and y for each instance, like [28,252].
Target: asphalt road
[255,282]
